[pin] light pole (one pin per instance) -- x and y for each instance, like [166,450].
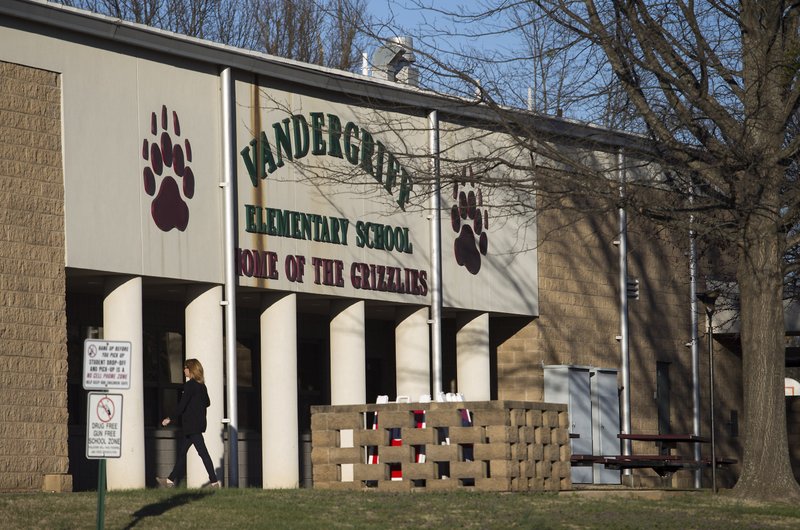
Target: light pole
[709,299]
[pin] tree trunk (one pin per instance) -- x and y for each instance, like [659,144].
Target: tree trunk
[766,469]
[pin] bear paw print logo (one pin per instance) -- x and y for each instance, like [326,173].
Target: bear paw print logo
[470,221]
[168,158]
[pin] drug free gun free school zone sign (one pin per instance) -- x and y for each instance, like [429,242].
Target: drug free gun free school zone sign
[106,365]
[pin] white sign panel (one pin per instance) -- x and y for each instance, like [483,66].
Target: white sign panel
[106,364]
[104,425]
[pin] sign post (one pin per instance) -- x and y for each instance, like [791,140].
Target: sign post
[103,439]
[106,365]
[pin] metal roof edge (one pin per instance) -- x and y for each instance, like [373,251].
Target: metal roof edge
[203,51]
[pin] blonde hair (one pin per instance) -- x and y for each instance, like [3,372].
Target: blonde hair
[195,370]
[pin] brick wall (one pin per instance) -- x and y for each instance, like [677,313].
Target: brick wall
[577,306]
[579,322]
[33,353]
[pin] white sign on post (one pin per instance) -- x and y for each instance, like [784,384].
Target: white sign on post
[106,364]
[104,425]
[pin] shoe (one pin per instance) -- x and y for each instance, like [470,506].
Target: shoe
[164,482]
[213,485]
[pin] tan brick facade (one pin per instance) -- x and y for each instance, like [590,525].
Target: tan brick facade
[33,352]
[579,323]
[577,303]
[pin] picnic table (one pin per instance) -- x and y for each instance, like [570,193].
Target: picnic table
[664,463]
[669,440]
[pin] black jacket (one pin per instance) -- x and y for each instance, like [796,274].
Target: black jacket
[192,407]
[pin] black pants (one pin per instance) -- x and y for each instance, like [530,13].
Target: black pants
[180,459]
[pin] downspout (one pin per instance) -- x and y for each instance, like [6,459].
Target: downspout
[623,312]
[436,257]
[228,184]
[695,345]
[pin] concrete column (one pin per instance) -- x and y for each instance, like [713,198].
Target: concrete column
[348,354]
[279,429]
[412,352]
[122,320]
[204,342]
[472,356]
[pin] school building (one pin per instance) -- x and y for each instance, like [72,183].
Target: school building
[278,221]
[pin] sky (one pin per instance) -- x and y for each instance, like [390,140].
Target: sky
[405,12]
[406,15]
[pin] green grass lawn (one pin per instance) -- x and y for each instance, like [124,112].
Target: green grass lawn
[253,508]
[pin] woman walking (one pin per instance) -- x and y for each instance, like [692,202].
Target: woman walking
[192,408]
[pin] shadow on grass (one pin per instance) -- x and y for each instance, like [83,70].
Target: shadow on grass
[159,508]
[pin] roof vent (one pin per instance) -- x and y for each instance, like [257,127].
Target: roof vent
[395,60]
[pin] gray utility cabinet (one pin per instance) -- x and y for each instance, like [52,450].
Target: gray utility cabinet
[592,399]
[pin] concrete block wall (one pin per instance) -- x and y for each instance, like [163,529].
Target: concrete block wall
[498,446]
[579,306]
[33,351]
[579,322]
[578,316]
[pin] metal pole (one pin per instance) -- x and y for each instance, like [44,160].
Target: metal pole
[436,257]
[364,63]
[228,184]
[623,314]
[101,494]
[695,345]
[710,315]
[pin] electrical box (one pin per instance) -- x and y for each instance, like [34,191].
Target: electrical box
[592,399]
[605,422]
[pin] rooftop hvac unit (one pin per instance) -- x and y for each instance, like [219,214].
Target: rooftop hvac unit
[395,60]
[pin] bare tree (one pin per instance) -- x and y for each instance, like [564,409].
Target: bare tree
[343,36]
[544,68]
[715,88]
[148,12]
[323,32]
